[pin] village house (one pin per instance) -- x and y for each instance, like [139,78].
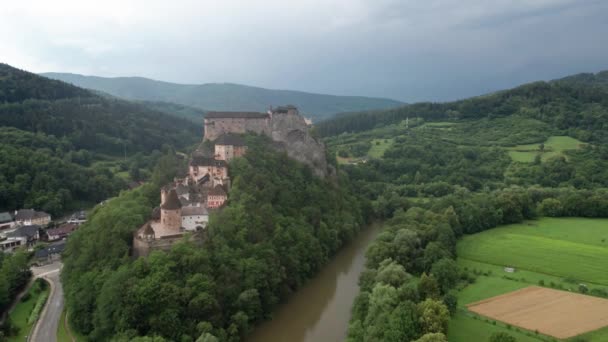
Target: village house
[6,221]
[49,253]
[26,217]
[31,234]
[216,197]
[61,232]
[10,244]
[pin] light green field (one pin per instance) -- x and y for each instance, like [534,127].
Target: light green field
[554,146]
[465,328]
[551,250]
[379,146]
[552,247]
[20,314]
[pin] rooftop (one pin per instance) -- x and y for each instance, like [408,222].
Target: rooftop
[171,202]
[218,190]
[28,214]
[199,160]
[193,211]
[25,231]
[5,217]
[236,115]
[63,229]
[50,249]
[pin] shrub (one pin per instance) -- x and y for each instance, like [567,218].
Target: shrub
[541,282]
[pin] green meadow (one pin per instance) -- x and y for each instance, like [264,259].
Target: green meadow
[555,247]
[379,146]
[552,252]
[553,146]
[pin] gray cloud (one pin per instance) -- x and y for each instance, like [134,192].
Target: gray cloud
[409,50]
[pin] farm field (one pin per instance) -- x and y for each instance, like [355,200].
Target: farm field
[560,314]
[554,146]
[554,247]
[487,253]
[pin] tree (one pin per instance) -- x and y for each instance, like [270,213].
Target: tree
[403,323]
[428,287]
[391,273]
[501,337]
[433,337]
[433,316]
[446,272]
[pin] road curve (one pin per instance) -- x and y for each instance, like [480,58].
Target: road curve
[46,327]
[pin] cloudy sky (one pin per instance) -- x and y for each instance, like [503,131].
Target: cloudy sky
[410,50]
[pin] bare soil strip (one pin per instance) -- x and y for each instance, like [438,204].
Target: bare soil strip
[560,314]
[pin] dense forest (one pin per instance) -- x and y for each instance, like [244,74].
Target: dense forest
[281,225]
[64,147]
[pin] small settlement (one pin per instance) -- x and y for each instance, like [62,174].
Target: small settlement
[26,227]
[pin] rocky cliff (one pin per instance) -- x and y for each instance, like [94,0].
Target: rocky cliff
[290,133]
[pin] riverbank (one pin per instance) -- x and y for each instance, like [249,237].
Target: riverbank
[320,310]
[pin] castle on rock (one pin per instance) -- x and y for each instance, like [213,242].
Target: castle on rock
[185,203]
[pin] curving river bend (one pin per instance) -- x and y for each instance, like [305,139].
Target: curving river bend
[320,310]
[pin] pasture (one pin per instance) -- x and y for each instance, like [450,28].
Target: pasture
[548,246]
[553,146]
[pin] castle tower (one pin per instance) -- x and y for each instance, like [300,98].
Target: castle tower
[171,212]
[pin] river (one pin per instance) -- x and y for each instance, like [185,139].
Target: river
[320,310]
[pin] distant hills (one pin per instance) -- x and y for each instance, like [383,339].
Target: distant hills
[225,96]
[576,104]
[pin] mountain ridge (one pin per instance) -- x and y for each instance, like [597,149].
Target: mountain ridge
[225,96]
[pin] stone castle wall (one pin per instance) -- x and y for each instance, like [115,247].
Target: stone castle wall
[214,128]
[288,129]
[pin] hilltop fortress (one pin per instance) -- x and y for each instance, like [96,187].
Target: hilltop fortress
[284,125]
[186,202]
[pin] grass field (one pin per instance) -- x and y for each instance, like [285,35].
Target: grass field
[379,146]
[466,328]
[554,146]
[22,311]
[548,251]
[555,247]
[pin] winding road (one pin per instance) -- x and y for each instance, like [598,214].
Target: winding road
[46,327]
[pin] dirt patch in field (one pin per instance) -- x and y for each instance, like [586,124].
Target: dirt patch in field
[555,313]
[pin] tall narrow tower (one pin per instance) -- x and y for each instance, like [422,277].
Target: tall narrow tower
[171,212]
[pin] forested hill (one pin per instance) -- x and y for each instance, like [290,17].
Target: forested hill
[225,96]
[574,103]
[280,226]
[55,137]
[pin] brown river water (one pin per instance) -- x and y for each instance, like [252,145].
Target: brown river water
[320,310]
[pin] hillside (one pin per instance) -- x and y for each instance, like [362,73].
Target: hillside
[65,147]
[576,104]
[225,96]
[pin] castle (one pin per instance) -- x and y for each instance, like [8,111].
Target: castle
[187,201]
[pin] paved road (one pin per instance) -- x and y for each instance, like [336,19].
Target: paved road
[46,328]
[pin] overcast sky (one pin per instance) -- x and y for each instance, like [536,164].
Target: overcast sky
[410,50]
